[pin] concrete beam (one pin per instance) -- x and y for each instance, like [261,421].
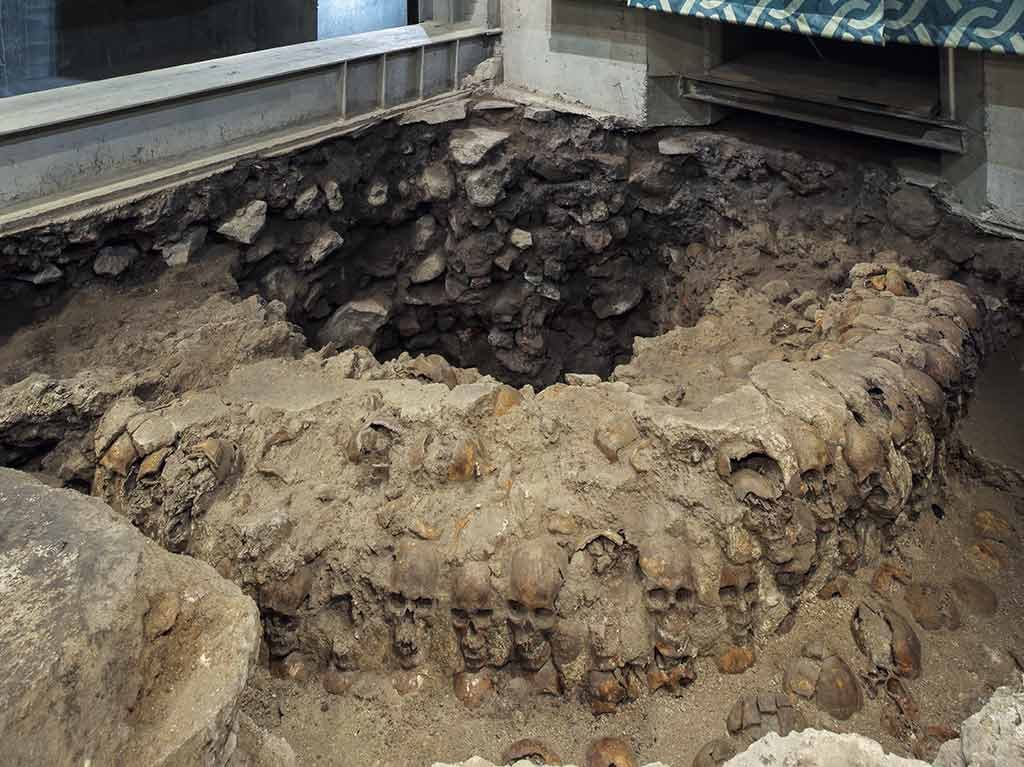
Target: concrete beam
[64,143]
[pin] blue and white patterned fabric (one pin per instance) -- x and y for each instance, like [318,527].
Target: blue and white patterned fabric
[991,25]
[983,25]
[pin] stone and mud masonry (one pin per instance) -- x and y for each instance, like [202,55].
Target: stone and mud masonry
[496,430]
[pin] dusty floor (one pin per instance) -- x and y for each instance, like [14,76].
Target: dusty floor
[374,725]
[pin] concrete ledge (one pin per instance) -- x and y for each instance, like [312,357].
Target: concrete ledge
[34,111]
[65,146]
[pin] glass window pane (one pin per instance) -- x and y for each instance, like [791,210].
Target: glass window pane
[362,92]
[471,53]
[403,77]
[438,69]
[50,43]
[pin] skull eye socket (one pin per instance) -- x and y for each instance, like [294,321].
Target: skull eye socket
[483,618]
[544,618]
[517,610]
[460,617]
[424,603]
[684,596]
[728,595]
[396,602]
[658,599]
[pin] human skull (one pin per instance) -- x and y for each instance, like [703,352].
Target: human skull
[536,577]
[789,541]
[737,593]
[412,600]
[669,594]
[474,616]
[801,533]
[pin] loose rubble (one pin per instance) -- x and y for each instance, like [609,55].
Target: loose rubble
[118,652]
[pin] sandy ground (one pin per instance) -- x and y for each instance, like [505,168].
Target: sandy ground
[374,725]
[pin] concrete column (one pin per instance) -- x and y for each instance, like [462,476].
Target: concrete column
[593,52]
[679,46]
[1004,89]
[989,100]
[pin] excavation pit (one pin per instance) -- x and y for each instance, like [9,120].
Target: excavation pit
[542,429]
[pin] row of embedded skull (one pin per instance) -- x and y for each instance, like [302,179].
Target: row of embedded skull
[671,597]
[482,624]
[526,626]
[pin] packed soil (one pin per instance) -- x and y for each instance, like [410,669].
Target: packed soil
[127,329]
[374,725]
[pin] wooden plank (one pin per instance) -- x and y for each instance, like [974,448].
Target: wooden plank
[34,111]
[796,77]
[933,134]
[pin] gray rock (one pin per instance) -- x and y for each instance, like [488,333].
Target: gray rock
[357,322]
[484,72]
[282,284]
[437,181]
[39,410]
[46,276]
[913,212]
[181,252]
[246,223]
[676,146]
[308,201]
[778,291]
[426,228]
[485,186]
[618,303]
[501,339]
[470,146]
[582,379]
[539,114]
[113,423]
[814,748]
[377,194]
[79,587]
[804,300]
[436,114]
[521,239]
[991,738]
[152,434]
[430,268]
[597,238]
[113,261]
[324,245]
[476,253]
[506,259]
[549,291]
[335,200]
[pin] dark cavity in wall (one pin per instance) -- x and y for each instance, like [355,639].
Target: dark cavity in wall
[523,242]
[525,264]
[526,305]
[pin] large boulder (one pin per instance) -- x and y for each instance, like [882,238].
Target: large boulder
[471,145]
[357,322]
[815,748]
[116,652]
[994,736]
[913,212]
